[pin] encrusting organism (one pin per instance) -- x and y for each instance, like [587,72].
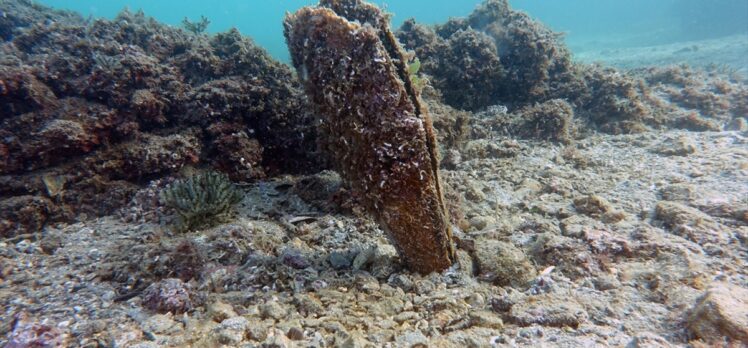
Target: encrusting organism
[374,124]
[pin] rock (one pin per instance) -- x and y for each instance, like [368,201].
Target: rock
[548,311]
[407,316]
[606,282]
[465,262]
[353,340]
[169,295]
[599,208]
[230,331]
[503,263]
[219,311]
[481,222]
[648,340]
[273,310]
[424,286]
[403,281]
[318,189]
[412,339]
[451,159]
[476,300]
[690,223]
[50,243]
[678,192]
[29,333]
[737,124]
[295,334]
[473,193]
[381,259]
[488,149]
[485,319]
[307,305]
[340,260]
[258,330]
[277,339]
[602,241]
[24,214]
[505,302]
[161,324]
[293,258]
[681,146]
[721,312]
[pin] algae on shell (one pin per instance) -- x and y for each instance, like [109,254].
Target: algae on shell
[374,124]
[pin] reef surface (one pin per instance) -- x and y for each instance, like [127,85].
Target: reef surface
[593,206]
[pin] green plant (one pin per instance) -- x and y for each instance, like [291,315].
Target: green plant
[417,82]
[198,27]
[201,200]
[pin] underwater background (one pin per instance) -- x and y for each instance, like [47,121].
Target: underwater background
[586,23]
[529,173]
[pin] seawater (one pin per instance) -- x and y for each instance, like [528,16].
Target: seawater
[586,23]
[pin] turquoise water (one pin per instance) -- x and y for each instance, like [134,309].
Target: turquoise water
[585,22]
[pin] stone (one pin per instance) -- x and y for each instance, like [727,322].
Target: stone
[403,282]
[678,192]
[488,149]
[503,263]
[476,300]
[606,282]
[258,330]
[340,260]
[548,311]
[277,339]
[681,146]
[295,334]
[424,287]
[487,319]
[161,324]
[381,260]
[689,223]
[465,262]
[352,340]
[722,312]
[293,258]
[737,124]
[407,316]
[168,295]
[599,208]
[307,305]
[412,339]
[219,311]
[230,331]
[27,332]
[273,310]
[480,222]
[648,340]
